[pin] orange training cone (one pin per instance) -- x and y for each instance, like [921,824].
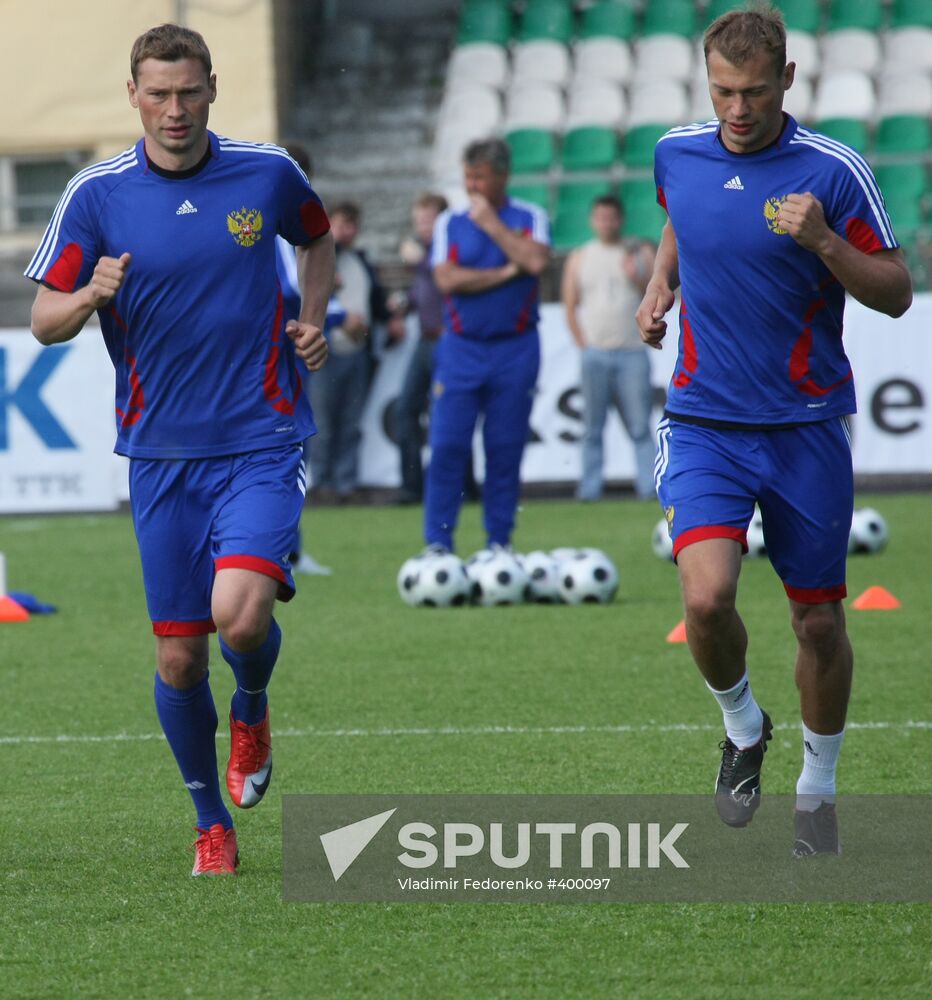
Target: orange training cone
[10,611]
[876,599]
[678,633]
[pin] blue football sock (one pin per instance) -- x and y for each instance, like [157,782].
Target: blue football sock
[252,672]
[189,721]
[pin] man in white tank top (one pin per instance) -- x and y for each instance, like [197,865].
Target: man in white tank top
[603,282]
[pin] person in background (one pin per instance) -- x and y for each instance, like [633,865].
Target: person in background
[603,282]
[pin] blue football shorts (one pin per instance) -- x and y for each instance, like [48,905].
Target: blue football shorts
[194,517]
[709,479]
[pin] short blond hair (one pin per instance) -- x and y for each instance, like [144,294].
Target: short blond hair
[740,35]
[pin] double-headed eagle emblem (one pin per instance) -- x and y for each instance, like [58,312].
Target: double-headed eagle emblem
[245,226]
[771,208]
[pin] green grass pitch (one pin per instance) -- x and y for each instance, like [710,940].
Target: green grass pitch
[95,834]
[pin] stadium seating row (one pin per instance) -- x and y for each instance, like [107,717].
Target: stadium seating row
[559,20]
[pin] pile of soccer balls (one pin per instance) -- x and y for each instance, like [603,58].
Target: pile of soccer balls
[500,577]
[868,535]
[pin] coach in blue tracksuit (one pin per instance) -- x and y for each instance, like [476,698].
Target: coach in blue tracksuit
[487,261]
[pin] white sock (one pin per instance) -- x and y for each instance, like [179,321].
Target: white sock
[744,721]
[820,757]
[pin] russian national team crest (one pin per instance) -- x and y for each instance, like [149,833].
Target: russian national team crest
[245,226]
[771,208]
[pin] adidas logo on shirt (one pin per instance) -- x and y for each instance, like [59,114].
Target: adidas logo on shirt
[186,208]
[733,185]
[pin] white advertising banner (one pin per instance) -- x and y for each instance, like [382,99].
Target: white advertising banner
[57,426]
[892,361]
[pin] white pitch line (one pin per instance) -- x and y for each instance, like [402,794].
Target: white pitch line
[676,727]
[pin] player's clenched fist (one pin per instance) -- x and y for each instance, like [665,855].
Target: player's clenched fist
[656,303]
[309,342]
[801,215]
[107,278]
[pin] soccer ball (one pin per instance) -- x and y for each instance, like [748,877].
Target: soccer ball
[565,554]
[475,561]
[443,583]
[409,579]
[500,579]
[543,573]
[590,578]
[868,532]
[757,547]
[660,540]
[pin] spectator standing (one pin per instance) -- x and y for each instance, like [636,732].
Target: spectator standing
[603,282]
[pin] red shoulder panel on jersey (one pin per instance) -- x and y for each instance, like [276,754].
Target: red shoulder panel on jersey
[64,272]
[314,219]
[861,236]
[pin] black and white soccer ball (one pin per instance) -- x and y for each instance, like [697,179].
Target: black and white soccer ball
[500,579]
[869,533]
[757,547]
[476,560]
[589,578]
[409,580]
[443,583]
[660,540]
[543,572]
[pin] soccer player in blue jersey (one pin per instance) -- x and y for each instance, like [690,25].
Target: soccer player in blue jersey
[172,244]
[487,262]
[770,225]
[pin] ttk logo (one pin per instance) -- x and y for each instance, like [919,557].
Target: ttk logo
[26,397]
[457,841]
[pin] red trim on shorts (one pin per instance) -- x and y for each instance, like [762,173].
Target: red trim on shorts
[710,531]
[255,563]
[184,628]
[815,595]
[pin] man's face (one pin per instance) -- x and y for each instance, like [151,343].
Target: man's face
[480,178]
[606,223]
[344,229]
[423,218]
[173,99]
[748,99]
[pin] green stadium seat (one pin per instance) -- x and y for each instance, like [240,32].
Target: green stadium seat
[801,15]
[485,21]
[905,212]
[718,7]
[609,19]
[639,144]
[547,19]
[577,196]
[589,147]
[645,220]
[636,190]
[533,150]
[904,134]
[571,229]
[911,14]
[852,132]
[864,14]
[669,17]
[536,194]
[907,179]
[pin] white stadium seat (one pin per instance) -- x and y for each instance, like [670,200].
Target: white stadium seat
[659,101]
[541,61]
[663,57]
[848,94]
[797,101]
[595,102]
[850,48]
[475,103]
[802,49]
[904,94]
[537,105]
[479,62]
[603,58]
[906,49]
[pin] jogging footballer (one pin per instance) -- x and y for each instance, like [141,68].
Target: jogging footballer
[770,224]
[172,244]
